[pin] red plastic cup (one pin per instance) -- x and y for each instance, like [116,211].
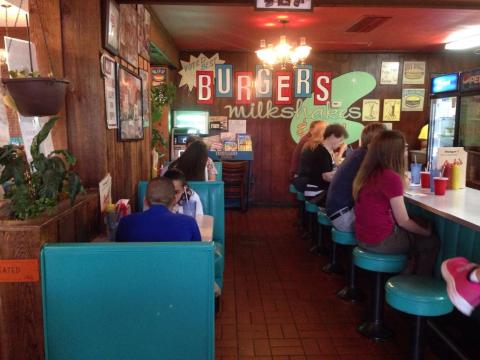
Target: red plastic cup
[425,179]
[440,185]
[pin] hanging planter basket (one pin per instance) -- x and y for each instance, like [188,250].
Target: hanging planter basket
[37,96]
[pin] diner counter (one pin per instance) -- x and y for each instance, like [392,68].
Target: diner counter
[461,206]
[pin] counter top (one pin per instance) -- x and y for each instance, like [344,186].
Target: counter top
[205,224]
[462,206]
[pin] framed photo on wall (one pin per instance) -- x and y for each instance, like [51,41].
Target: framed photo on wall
[109,69]
[111,26]
[129,34]
[130,122]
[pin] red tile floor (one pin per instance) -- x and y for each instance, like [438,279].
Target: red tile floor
[278,304]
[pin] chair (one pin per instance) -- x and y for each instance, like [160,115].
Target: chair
[128,300]
[421,297]
[380,264]
[350,292]
[235,178]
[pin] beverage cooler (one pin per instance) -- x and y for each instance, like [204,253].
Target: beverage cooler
[443,113]
[468,134]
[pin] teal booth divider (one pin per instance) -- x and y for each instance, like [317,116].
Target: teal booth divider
[212,195]
[127,301]
[218,166]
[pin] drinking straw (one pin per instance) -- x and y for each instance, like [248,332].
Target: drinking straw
[415,159]
[428,166]
[185,192]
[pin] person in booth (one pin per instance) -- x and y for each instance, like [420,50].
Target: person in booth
[318,163]
[183,193]
[382,224]
[317,128]
[339,204]
[158,223]
[194,162]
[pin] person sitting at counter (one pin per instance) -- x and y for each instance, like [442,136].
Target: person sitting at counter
[339,204]
[317,163]
[158,223]
[183,193]
[382,224]
[194,163]
[317,128]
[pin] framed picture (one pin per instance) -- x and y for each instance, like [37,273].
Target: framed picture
[111,26]
[129,34]
[130,121]
[143,32]
[109,69]
[414,72]
[145,97]
[389,73]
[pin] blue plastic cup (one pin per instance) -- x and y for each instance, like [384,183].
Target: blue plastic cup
[433,174]
[190,208]
[415,169]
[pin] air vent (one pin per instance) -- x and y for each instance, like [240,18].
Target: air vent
[368,23]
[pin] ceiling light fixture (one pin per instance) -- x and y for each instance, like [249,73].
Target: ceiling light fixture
[465,43]
[283,53]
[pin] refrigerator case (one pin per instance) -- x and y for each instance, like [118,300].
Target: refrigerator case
[469,135]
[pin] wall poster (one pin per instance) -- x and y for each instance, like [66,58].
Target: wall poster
[109,67]
[389,73]
[128,34]
[412,99]
[130,105]
[392,109]
[414,72]
[371,110]
[143,32]
[145,97]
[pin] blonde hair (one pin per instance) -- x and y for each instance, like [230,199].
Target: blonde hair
[317,129]
[386,151]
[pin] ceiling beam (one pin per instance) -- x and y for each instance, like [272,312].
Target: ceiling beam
[446,4]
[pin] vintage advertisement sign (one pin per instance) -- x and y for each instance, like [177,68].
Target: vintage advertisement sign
[19,271]
[470,80]
[200,63]
[283,5]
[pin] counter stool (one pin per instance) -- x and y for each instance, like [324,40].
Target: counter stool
[350,292]
[421,297]
[379,264]
[292,189]
[312,210]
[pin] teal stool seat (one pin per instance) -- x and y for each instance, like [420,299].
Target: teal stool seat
[323,219]
[418,295]
[292,189]
[311,208]
[344,238]
[384,263]
[300,196]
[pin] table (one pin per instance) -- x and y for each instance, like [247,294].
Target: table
[205,224]
[461,206]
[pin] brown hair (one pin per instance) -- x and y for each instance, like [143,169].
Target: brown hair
[369,132]
[160,191]
[317,135]
[336,130]
[386,151]
[193,161]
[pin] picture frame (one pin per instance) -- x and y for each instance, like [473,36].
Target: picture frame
[111,26]
[129,34]
[109,72]
[143,29]
[130,105]
[144,75]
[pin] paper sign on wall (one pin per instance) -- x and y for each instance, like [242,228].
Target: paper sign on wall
[237,126]
[19,271]
[105,189]
[370,110]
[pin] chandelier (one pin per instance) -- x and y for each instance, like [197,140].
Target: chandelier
[283,53]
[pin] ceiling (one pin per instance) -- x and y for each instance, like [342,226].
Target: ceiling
[240,28]
[15,13]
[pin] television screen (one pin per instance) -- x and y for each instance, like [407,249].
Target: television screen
[445,83]
[191,119]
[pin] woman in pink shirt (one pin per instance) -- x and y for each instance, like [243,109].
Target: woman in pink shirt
[382,223]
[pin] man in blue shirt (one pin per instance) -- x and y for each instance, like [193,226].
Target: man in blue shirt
[339,204]
[158,223]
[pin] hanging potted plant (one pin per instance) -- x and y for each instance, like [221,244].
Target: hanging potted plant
[32,94]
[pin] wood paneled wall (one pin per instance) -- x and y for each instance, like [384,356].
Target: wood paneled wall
[272,141]
[74,31]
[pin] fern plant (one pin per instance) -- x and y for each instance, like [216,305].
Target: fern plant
[162,96]
[37,186]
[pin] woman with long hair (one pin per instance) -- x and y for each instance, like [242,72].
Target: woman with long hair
[193,161]
[382,223]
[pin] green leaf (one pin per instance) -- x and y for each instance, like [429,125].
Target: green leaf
[68,157]
[74,185]
[41,136]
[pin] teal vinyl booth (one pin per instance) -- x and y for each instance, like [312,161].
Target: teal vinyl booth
[124,301]
[211,194]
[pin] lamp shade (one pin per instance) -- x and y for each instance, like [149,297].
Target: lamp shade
[423,133]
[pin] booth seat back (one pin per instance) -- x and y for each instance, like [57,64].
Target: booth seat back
[218,166]
[456,239]
[128,301]
[211,194]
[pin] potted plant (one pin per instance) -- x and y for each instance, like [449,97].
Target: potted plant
[36,187]
[34,95]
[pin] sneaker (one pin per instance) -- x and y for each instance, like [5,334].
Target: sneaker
[463,293]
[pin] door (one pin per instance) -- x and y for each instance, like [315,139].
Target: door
[442,124]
